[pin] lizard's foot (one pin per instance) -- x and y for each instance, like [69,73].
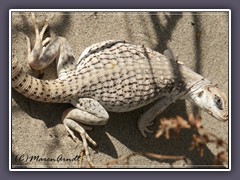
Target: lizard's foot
[70,124]
[87,111]
[39,45]
[143,125]
[147,118]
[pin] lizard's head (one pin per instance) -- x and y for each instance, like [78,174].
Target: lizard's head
[212,100]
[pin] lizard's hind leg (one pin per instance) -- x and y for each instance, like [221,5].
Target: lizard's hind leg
[87,111]
[49,49]
[34,55]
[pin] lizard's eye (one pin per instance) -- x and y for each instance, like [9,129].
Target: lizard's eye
[218,102]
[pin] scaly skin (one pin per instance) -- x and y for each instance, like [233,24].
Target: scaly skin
[112,76]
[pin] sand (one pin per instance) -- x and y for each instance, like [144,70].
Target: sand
[200,40]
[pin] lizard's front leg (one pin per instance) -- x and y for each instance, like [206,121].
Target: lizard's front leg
[87,111]
[147,118]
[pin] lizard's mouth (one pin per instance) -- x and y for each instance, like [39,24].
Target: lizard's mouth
[218,115]
[223,117]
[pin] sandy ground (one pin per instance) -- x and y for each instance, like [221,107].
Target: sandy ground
[199,39]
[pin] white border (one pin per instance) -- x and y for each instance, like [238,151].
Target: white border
[229,89]
[119,10]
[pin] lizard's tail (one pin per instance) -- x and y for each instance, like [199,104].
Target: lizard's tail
[55,91]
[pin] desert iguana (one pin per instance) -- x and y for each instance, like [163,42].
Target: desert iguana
[112,76]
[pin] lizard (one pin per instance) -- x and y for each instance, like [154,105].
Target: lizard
[111,76]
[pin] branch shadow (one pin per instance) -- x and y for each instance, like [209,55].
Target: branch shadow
[161,146]
[28,105]
[49,113]
[164,33]
[27,28]
[198,50]
[123,125]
